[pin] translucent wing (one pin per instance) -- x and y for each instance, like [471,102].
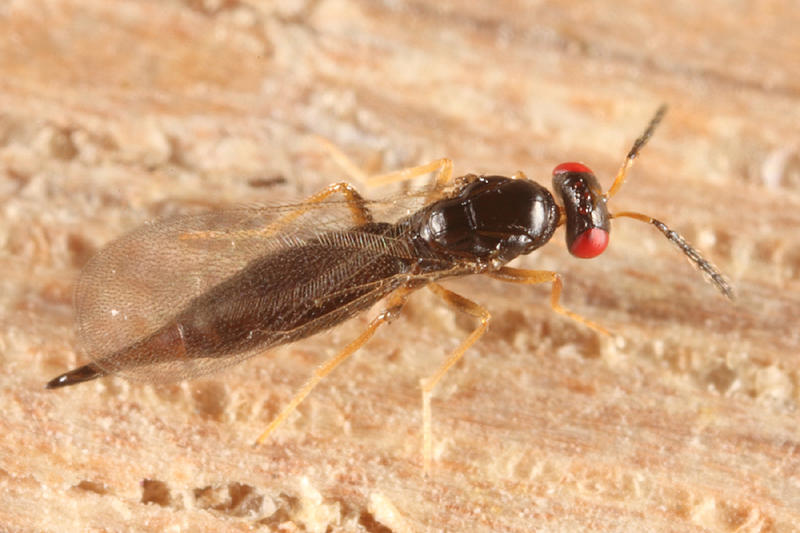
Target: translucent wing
[143,280]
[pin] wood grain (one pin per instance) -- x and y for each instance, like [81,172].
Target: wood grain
[114,113]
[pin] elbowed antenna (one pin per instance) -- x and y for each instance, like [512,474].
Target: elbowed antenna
[638,144]
[713,274]
[585,204]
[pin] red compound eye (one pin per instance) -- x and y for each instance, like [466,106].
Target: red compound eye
[590,243]
[572,167]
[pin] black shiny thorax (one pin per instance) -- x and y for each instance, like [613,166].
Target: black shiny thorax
[488,219]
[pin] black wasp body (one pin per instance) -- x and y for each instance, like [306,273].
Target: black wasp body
[302,289]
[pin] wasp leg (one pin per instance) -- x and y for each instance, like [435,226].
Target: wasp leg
[443,168]
[428,384]
[355,202]
[393,308]
[444,174]
[531,277]
[343,160]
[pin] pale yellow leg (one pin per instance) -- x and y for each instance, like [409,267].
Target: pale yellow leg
[531,277]
[343,160]
[355,202]
[443,168]
[396,303]
[468,306]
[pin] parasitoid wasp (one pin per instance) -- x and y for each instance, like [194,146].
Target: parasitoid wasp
[187,296]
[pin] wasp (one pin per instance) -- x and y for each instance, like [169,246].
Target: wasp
[187,296]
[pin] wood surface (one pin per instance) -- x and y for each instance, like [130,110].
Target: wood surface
[116,113]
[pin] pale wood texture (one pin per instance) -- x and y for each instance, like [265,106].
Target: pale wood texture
[113,113]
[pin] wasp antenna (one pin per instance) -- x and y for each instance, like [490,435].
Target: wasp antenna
[712,273]
[638,144]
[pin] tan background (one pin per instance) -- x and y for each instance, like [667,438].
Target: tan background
[114,113]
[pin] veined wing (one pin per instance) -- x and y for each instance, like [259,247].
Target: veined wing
[143,280]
